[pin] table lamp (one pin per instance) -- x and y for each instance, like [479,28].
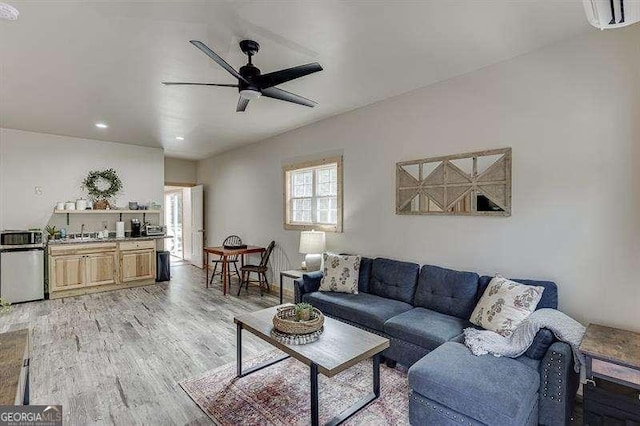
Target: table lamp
[312,245]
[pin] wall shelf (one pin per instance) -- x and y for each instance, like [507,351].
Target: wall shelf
[112,211]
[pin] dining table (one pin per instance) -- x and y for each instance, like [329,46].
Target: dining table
[225,253]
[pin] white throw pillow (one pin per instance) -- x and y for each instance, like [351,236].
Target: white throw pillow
[505,304]
[341,273]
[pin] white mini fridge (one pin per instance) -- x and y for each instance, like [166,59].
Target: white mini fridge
[22,274]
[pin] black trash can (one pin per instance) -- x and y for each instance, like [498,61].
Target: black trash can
[163,266]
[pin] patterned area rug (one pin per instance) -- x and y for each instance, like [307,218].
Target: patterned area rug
[279,394]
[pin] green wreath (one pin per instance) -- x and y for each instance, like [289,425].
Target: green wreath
[102,185]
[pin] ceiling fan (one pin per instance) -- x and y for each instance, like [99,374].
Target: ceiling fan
[252,84]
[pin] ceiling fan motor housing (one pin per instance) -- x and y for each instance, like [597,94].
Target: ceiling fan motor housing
[250,73]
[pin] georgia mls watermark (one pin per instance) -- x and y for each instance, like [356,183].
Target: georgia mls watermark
[30,415]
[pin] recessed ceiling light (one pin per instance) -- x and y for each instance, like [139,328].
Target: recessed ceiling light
[101,125]
[8,12]
[180,138]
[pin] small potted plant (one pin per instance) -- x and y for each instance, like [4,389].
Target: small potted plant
[4,306]
[51,231]
[304,311]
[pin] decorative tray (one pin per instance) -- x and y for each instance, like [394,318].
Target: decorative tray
[296,339]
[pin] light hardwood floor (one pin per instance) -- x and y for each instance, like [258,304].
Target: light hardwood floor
[117,357]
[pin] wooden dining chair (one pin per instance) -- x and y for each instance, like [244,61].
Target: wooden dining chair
[260,270]
[231,240]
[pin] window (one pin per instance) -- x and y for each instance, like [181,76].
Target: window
[313,195]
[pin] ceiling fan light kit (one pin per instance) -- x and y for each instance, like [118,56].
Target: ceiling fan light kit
[251,83]
[250,94]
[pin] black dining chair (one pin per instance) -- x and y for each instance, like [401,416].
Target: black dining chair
[260,270]
[231,240]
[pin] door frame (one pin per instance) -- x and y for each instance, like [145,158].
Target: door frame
[177,191]
[202,230]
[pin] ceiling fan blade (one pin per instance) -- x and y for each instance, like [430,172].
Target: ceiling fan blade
[283,95]
[282,76]
[171,83]
[242,104]
[213,55]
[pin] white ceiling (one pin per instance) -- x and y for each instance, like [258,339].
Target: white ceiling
[65,65]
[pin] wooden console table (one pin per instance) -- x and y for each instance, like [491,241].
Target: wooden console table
[14,368]
[612,390]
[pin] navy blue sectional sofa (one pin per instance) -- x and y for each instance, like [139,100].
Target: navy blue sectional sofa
[423,312]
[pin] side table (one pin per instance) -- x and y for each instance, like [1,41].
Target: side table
[293,274]
[612,389]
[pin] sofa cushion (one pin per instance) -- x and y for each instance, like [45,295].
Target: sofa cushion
[529,362]
[365,274]
[505,304]
[368,310]
[394,279]
[549,295]
[341,273]
[541,343]
[425,328]
[447,291]
[492,390]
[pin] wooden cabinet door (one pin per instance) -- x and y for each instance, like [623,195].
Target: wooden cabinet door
[66,272]
[101,268]
[136,265]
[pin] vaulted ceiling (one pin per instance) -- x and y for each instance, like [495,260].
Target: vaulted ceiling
[65,65]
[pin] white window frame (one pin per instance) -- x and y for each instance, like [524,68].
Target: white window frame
[287,195]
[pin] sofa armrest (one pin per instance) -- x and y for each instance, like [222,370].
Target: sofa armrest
[307,284]
[558,385]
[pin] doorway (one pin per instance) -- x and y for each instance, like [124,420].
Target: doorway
[184,220]
[176,216]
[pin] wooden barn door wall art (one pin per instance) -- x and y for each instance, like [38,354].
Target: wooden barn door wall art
[476,183]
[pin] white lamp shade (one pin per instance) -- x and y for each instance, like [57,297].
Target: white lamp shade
[312,242]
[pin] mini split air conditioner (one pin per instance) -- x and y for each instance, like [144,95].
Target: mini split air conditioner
[608,14]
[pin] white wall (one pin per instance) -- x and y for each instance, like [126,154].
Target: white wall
[571,113]
[58,164]
[177,170]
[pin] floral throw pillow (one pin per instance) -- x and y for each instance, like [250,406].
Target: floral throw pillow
[505,304]
[341,273]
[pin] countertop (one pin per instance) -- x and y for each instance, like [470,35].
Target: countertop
[106,240]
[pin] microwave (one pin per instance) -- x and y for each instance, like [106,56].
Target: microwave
[20,238]
[153,230]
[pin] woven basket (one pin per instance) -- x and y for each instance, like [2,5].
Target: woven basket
[285,321]
[100,205]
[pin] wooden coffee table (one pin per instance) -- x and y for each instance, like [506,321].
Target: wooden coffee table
[340,347]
